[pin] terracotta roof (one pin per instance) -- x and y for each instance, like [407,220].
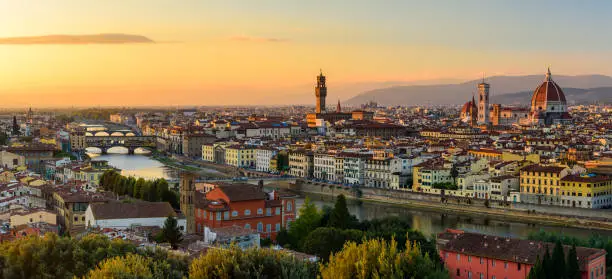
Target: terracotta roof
[242,192]
[548,91]
[540,168]
[588,179]
[133,210]
[507,249]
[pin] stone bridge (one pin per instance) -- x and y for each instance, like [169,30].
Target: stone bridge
[129,142]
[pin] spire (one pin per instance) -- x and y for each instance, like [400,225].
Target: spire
[338,108]
[320,72]
[548,75]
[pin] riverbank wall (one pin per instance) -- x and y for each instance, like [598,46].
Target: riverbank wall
[571,217]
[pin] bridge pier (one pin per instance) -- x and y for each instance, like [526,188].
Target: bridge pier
[131,150]
[104,150]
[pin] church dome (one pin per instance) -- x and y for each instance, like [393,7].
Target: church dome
[548,92]
[466,108]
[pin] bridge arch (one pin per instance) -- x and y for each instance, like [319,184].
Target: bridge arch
[117,134]
[101,134]
[89,134]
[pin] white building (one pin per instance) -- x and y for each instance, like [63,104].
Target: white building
[378,173]
[325,167]
[263,156]
[354,167]
[125,215]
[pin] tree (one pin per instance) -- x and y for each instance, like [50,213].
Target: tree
[340,216]
[557,261]
[454,174]
[16,129]
[309,220]
[572,269]
[324,241]
[129,266]
[250,263]
[171,232]
[138,188]
[3,138]
[378,258]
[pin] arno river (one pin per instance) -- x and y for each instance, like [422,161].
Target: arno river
[427,222]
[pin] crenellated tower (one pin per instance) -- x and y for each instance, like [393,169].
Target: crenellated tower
[321,93]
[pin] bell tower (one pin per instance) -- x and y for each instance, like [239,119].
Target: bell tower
[321,93]
[483,103]
[187,200]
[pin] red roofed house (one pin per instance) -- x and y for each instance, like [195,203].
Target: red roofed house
[478,256]
[244,205]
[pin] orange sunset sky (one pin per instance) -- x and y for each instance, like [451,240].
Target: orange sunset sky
[269,52]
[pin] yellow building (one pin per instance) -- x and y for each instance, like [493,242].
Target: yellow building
[70,206]
[533,157]
[33,216]
[240,156]
[541,184]
[587,191]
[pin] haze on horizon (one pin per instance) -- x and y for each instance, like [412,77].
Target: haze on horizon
[269,52]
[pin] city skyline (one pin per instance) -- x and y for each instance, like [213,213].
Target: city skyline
[242,53]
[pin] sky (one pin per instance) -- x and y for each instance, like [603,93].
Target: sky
[245,52]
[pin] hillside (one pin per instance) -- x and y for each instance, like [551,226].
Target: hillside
[586,88]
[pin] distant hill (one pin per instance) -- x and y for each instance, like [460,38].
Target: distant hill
[504,89]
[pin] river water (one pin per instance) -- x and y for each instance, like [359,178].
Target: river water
[428,222]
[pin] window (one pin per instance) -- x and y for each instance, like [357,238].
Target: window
[234,213]
[226,215]
[458,272]
[506,265]
[76,219]
[268,211]
[247,212]
[481,260]
[278,211]
[247,226]
[260,227]
[278,227]
[518,266]
[481,276]
[210,216]
[268,227]
[218,216]
[458,257]
[259,211]
[469,259]
[83,218]
[289,206]
[469,275]
[492,262]
[493,277]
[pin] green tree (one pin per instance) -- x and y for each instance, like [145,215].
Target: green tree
[309,220]
[557,261]
[340,216]
[171,232]
[250,263]
[572,268]
[454,172]
[138,188]
[324,241]
[378,258]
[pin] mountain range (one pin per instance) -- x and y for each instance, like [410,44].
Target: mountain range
[504,90]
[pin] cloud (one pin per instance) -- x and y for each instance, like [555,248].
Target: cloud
[257,39]
[77,39]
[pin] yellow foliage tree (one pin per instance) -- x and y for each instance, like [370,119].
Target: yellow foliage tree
[128,266]
[376,258]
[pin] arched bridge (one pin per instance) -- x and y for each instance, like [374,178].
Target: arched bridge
[129,142]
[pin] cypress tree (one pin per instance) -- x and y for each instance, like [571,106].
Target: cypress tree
[340,217]
[557,261]
[572,267]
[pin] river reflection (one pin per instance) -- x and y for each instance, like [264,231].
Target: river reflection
[137,165]
[432,222]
